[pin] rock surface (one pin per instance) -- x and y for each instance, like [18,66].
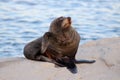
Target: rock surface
[106,52]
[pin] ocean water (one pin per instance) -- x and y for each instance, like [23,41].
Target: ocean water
[22,21]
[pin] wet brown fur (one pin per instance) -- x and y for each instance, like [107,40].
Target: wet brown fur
[59,45]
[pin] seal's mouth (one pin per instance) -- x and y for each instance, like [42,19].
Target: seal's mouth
[66,22]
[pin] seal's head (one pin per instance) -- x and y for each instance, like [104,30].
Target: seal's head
[60,23]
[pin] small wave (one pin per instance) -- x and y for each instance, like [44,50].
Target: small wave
[26,3]
[8,19]
[4,0]
[32,22]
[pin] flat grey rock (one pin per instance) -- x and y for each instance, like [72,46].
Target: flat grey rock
[106,52]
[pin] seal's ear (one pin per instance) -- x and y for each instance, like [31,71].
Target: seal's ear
[66,22]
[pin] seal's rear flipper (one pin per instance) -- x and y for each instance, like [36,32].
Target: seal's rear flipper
[73,70]
[84,61]
[46,59]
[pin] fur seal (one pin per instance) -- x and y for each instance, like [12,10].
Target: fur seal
[59,45]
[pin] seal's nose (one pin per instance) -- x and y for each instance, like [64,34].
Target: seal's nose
[69,19]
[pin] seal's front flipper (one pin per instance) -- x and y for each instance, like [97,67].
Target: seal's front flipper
[84,61]
[47,38]
[45,41]
[44,45]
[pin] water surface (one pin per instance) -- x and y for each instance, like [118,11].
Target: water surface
[22,21]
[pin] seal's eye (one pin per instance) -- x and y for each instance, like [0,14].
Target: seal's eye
[60,19]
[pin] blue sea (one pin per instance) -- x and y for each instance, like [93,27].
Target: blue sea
[22,21]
